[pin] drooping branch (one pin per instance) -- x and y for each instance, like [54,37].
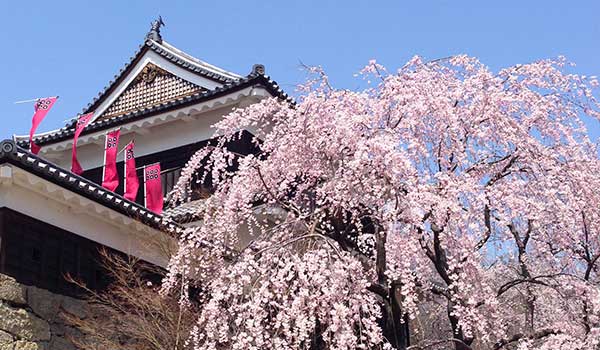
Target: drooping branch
[488,227]
[380,262]
[372,173]
[439,258]
[522,246]
[504,172]
[534,280]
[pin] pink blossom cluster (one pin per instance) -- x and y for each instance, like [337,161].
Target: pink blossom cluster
[446,191]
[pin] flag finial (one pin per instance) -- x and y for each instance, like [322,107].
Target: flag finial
[154,33]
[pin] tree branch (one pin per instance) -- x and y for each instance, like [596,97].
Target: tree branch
[535,335]
[449,340]
[488,226]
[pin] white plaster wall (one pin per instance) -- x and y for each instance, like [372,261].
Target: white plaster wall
[42,200]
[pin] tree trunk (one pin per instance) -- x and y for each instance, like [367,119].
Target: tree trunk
[464,342]
[394,325]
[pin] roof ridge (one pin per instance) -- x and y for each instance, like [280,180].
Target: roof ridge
[115,78]
[168,52]
[199,61]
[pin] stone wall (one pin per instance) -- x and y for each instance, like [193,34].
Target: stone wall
[31,318]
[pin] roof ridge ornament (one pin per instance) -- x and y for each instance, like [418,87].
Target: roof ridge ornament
[258,69]
[8,147]
[154,33]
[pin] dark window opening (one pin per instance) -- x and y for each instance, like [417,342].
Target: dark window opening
[36,255]
[172,161]
[169,178]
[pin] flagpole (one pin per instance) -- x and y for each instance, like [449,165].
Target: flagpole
[104,162]
[34,99]
[26,101]
[122,149]
[124,176]
[145,202]
[161,172]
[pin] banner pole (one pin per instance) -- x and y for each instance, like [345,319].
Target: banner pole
[26,101]
[104,162]
[145,202]
[123,149]
[124,176]
[35,99]
[161,172]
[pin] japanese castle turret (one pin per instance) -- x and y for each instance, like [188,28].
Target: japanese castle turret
[53,222]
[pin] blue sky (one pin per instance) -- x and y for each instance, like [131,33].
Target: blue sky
[73,48]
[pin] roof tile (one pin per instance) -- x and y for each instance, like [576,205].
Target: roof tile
[10,152]
[144,112]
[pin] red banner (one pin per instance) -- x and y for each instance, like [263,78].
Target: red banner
[153,188]
[110,179]
[42,107]
[132,184]
[82,122]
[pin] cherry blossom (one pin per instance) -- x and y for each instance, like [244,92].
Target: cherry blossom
[445,206]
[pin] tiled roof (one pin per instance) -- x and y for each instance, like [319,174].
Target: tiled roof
[184,213]
[253,79]
[175,56]
[191,63]
[150,88]
[11,153]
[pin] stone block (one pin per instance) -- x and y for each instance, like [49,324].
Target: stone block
[5,340]
[75,307]
[43,303]
[12,291]
[23,324]
[59,343]
[72,333]
[27,345]
[57,329]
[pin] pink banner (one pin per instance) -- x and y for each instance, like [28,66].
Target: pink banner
[153,188]
[110,180]
[42,107]
[132,183]
[82,122]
